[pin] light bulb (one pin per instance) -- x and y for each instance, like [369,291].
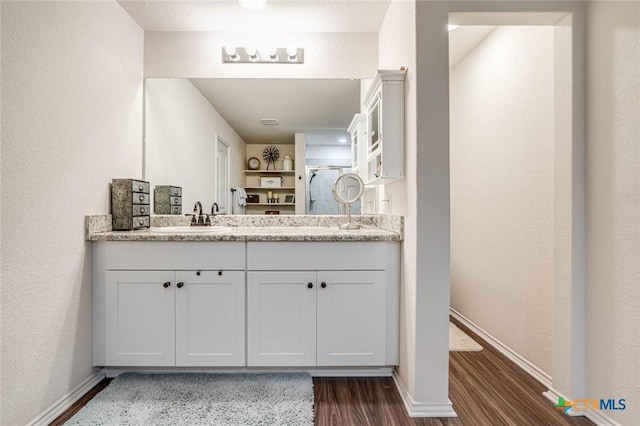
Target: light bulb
[273,53]
[252,52]
[232,52]
[292,53]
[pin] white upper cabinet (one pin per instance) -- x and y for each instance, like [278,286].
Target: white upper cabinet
[356,130]
[384,133]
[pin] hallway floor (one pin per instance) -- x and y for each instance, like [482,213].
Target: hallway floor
[486,388]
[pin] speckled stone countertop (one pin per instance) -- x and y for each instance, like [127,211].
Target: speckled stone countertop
[254,228]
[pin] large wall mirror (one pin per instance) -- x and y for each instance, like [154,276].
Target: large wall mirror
[201,132]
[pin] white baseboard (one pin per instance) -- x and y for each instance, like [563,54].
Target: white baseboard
[600,419]
[520,361]
[596,416]
[422,409]
[60,406]
[314,372]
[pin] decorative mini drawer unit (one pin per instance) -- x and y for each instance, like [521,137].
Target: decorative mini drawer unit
[130,204]
[167,199]
[271,181]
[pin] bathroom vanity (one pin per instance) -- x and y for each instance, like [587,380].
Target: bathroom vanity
[247,296]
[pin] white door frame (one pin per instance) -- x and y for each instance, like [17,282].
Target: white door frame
[224,208]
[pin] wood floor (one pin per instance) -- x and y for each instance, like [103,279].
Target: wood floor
[485,387]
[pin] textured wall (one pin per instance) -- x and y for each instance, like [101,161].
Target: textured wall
[71,121]
[502,141]
[613,202]
[199,54]
[396,48]
[180,131]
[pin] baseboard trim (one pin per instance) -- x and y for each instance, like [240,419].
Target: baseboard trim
[314,372]
[519,360]
[600,419]
[60,406]
[596,416]
[422,409]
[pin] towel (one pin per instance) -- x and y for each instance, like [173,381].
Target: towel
[239,200]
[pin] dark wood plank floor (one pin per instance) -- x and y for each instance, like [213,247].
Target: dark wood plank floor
[485,387]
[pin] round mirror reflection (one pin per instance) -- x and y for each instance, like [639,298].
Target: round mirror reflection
[347,190]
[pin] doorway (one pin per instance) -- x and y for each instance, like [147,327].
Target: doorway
[515,192]
[320,181]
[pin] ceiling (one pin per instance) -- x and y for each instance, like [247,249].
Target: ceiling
[299,104]
[464,39]
[279,15]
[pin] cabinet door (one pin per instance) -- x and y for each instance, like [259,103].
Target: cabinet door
[210,318]
[351,318]
[281,308]
[139,318]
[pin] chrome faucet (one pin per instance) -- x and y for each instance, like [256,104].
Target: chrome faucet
[215,209]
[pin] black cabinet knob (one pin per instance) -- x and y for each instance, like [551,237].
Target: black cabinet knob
[180,285]
[310,285]
[167,284]
[323,285]
[219,273]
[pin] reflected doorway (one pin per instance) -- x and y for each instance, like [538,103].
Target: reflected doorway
[320,181]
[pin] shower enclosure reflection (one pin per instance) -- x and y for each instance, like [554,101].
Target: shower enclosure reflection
[320,181]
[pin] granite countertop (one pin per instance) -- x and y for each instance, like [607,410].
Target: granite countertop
[301,233]
[247,228]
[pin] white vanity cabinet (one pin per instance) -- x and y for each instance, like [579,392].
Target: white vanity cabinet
[322,304]
[161,304]
[139,318]
[384,108]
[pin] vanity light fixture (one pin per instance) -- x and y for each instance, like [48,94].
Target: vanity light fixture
[274,55]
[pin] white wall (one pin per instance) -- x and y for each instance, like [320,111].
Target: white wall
[396,48]
[328,155]
[71,121]
[199,54]
[180,141]
[613,201]
[501,144]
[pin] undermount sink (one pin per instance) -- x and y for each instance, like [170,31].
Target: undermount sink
[191,229]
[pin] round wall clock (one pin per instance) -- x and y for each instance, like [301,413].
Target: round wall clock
[271,155]
[253,163]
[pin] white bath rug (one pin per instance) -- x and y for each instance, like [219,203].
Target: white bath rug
[460,342]
[202,399]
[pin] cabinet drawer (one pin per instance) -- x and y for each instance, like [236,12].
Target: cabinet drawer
[140,222]
[140,210]
[140,198]
[140,186]
[298,256]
